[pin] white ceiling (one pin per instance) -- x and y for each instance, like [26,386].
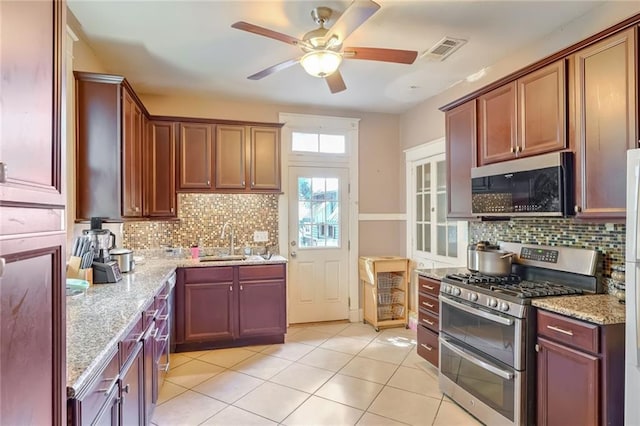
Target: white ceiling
[178,47]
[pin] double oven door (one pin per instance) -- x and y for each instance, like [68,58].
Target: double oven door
[483,360]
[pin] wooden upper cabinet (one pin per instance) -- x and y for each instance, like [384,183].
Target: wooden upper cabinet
[525,117]
[30,95]
[265,158]
[460,128]
[160,157]
[230,157]
[542,108]
[605,114]
[497,124]
[108,147]
[132,131]
[196,156]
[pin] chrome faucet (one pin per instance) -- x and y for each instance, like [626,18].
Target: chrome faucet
[231,236]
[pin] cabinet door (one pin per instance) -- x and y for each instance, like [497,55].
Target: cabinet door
[541,110]
[265,158]
[110,414]
[32,337]
[30,95]
[209,313]
[132,390]
[497,124]
[461,157]
[150,373]
[161,182]
[230,157]
[196,156]
[262,308]
[568,386]
[605,119]
[131,157]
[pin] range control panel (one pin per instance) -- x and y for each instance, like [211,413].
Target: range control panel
[539,254]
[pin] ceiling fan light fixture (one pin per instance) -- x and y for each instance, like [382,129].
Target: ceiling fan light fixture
[321,63]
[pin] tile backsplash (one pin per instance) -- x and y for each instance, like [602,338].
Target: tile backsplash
[557,232]
[201,218]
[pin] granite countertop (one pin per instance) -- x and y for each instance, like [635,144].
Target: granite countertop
[98,319]
[439,273]
[602,309]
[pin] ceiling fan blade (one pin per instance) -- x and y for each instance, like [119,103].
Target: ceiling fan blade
[354,16]
[255,29]
[273,69]
[376,54]
[335,82]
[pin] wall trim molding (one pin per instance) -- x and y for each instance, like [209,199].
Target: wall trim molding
[382,216]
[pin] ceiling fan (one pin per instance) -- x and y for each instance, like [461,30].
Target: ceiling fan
[322,47]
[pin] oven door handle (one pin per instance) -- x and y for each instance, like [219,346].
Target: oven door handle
[507,375]
[478,312]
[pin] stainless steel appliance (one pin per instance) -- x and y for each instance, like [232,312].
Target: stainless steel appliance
[487,329]
[102,240]
[124,258]
[632,290]
[533,186]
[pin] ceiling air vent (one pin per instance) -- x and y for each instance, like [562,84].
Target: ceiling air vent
[442,49]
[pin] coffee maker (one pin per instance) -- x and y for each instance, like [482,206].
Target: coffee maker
[105,270]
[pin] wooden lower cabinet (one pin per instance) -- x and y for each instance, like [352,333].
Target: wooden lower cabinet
[580,372]
[428,319]
[230,306]
[132,409]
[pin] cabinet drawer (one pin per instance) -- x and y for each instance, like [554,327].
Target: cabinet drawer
[578,334]
[208,275]
[429,320]
[428,286]
[261,272]
[128,344]
[161,339]
[429,303]
[428,347]
[98,392]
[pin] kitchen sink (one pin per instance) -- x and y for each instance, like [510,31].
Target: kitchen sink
[223,258]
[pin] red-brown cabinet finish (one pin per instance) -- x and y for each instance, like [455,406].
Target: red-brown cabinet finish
[109,132]
[605,114]
[265,158]
[196,156]
[579,365]
[230,157]
[209,311]
[32,211]
[497,124]
[132,409]
[262,305]
[542,106]
[160,159]
[428,319]
[132,131]
[460,131]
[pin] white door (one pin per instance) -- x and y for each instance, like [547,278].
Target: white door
[318,244]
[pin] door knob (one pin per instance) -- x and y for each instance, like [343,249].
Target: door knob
[294,254]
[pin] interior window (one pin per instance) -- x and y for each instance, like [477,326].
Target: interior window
[318,143]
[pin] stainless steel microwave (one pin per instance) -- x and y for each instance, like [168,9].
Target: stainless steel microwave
[541,185]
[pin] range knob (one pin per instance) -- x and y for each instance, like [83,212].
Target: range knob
[445,288]
[473,297]
[504,306]
[456,291]
[492,303]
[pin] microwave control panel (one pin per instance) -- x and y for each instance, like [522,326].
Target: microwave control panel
[541,255]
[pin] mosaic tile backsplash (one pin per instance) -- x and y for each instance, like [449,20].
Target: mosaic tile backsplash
[201,218]
[558,232]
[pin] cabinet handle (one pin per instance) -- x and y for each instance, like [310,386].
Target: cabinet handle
[560,330]
[163,367]
[137,209]
[126,389]
[428,305]
[428,287]
[163,297]
[253,184]
[241,288]
[243,183]
[427,321]
[427,347]
[513,150]
[518,148]
[3,172]
[230,288]
[108,390]
[2,265]
[577,209]
[171,209]
[208,183]
[163,317]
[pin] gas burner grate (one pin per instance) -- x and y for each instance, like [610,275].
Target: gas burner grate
[485,279]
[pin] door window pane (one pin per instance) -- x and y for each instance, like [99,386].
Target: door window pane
[442,240]
[441,179]
[318,212]
[419,179]
[318,143]
[452,241]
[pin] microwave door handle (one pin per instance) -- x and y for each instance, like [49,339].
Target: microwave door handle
[507,375]
[478,312]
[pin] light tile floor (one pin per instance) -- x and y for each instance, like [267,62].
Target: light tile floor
[324,374]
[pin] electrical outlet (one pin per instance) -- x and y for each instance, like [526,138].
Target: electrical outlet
[260,236]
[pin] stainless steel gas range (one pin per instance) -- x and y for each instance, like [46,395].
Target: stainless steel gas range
[487,329]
